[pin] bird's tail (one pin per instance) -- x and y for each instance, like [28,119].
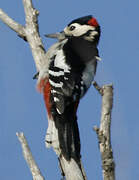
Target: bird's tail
[62,133]
[68,133]
[63,136]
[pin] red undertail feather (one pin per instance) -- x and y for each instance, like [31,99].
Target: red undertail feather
[45,88]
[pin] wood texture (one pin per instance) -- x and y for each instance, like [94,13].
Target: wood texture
[104,132]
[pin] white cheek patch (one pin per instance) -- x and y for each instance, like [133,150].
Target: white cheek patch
[79,29]
[60,61]
[91,36]
[93,33]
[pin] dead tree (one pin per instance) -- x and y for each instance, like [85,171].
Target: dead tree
[71,170]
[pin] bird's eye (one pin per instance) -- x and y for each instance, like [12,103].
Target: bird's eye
[72,28]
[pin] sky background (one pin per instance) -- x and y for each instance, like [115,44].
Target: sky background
[22,107]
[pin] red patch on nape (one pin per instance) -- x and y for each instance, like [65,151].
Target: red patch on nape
[93,22]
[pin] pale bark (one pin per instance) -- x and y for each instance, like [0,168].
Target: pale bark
[36,174]
[18,28]
[104,133]
[71,170]
[30,33]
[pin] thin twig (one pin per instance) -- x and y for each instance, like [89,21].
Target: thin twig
[104,133]
[98,88]
[36,174]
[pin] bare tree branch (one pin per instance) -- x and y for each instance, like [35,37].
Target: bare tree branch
[98,88]
[72,170]
[30,33]
[36,174]
[18,28]
[103,133]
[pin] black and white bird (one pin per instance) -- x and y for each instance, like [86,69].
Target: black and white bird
[72,67]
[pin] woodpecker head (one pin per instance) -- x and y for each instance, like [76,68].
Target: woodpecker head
[85,27]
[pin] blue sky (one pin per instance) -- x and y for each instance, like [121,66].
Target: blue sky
[22,107]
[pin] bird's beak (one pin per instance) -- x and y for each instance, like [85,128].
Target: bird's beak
[60,36]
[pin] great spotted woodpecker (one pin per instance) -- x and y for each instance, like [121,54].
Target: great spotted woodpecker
[72,67]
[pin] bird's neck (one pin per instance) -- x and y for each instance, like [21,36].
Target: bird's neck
[79,51]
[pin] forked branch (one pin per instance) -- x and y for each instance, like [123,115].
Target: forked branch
[30,33]
[71,170]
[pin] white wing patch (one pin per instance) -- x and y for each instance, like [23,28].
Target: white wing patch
[53,73]
[56,99]
[60,61]
[57,85]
